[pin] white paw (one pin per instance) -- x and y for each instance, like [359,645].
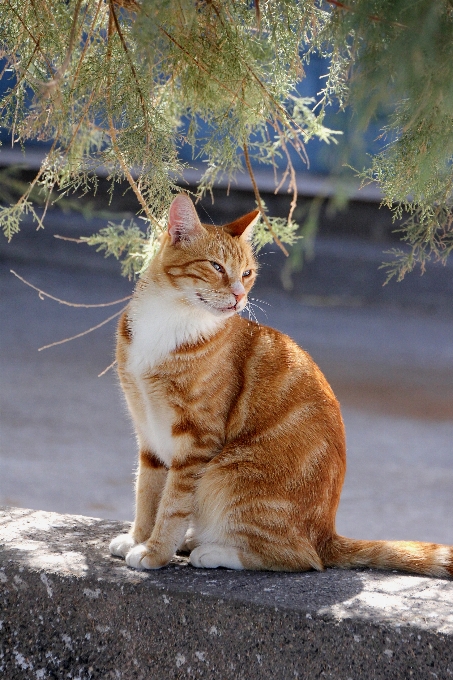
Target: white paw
[135,556]
[141,557]
[121,545]
[211,556]
[190,542]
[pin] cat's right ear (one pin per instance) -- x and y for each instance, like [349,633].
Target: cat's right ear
[243,226]
[183,222]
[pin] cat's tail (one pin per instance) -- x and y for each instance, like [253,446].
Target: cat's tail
[429,559]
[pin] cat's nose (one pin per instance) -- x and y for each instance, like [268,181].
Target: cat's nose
[238,291]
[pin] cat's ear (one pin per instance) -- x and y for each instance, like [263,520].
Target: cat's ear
[243,226]
[183,222]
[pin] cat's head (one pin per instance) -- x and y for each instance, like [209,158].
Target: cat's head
[212,268]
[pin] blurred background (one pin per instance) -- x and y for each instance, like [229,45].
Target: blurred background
[67,443]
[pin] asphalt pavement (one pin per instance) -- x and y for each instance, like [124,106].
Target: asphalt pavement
[67,443]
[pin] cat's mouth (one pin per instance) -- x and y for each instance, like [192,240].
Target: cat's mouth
[214,307]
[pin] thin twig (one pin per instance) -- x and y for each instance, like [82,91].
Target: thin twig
[86,44]
[43,294]
[79,335]
[107,369]
[62,70]
[24,73]
[69,238]
[259,201]
[371,17]
[114,141]
[131,65]
[292,188]
[274,101]
[36,41]
[128,175]
[204,68]
[82,118]
[258,13]
[32,184]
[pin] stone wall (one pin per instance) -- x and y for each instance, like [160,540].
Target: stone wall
[70,610]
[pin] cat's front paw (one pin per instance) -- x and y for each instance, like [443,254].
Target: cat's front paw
[121,545]
[141,557]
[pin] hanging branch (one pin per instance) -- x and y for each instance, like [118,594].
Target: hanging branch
[79,335]
[86,43]
[114,140]
[292,188]
[35,40]
[63,68]
[259,201]
[204,68]
[283,111]
[42,294]
[131,65]
[24,198]
[371,17]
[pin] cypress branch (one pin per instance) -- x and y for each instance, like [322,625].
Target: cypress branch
[111,83]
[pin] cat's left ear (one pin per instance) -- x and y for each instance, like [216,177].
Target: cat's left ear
[243,226]
[183,221]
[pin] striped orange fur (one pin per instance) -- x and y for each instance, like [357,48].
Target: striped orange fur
[241,440]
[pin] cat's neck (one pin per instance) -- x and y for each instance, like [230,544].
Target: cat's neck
[161,321]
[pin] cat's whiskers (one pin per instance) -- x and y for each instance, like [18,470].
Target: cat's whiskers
[253,304]
[264,302]
[251,313]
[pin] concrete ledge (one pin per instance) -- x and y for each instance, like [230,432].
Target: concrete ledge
[70,610]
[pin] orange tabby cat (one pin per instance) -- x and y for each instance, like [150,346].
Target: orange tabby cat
[242,448]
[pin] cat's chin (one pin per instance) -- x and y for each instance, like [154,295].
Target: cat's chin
[223,312]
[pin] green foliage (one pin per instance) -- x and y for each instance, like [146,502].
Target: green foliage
[401,56]
[127,243]
[285,230]
[123,85]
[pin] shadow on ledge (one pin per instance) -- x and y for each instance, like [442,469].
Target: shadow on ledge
[72,610]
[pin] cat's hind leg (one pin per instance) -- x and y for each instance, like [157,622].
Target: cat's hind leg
[268,557]
[212,555]
[242,521]
[190,541]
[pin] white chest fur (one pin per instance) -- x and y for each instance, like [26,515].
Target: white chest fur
[154,425]
[160,322]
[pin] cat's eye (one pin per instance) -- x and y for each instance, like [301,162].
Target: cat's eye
[218,267]
[246,273]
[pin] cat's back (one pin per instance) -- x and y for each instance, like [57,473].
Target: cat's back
[274,357]
[277,378]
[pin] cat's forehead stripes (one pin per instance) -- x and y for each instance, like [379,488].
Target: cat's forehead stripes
[234,255]
[234,251]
